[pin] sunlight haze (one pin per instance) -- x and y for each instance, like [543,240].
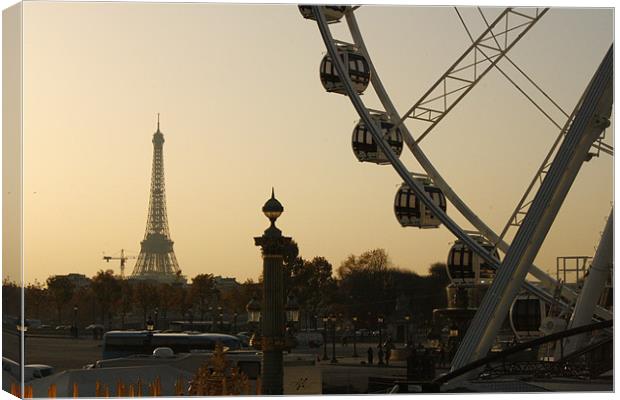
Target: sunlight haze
[243,110]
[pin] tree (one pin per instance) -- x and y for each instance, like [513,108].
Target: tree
[374,261]
[312,283]
[107,292]
[167,299]
[370,285]
[60,289]
[181,301]
[290,253]
[367,285]
[125,303]
[145,295]
[203,291]
[433,289]
[35,297]
[11,298]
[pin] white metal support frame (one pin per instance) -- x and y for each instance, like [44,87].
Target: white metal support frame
[471,67]
[590,120]
[593,285]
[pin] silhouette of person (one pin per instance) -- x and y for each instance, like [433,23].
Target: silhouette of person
[442,356]
[380,355]
[370,355]
[389,346]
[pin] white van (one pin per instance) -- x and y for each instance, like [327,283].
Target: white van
[31,371]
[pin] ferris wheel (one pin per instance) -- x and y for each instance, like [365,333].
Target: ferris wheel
[421,201]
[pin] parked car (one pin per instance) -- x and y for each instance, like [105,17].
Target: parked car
[245,340]
[363,332]
[62,327]
[309,339]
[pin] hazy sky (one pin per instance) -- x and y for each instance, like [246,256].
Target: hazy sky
[242,110]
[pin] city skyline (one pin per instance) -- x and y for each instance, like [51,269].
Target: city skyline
[241,115]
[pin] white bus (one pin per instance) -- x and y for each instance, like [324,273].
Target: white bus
[118,344]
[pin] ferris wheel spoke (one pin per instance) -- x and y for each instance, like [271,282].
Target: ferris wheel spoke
[549,282]
[346,87]
[523,205]
[598,145]
[413,184]
[520,211]
[468,67]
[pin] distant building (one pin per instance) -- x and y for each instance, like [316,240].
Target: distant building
[175,280]
[225,283]
[78,280]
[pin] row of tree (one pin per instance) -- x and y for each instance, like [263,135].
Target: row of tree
[365,286]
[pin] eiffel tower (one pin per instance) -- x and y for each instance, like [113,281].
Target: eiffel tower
[157,260]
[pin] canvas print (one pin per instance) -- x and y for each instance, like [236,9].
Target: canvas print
[205,199]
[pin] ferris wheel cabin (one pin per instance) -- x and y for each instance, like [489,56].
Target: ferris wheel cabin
[364,146]
[410,211]
[332,13]
[526,316]
[357,68]
[467,267]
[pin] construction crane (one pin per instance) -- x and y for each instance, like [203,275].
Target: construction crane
[122,258]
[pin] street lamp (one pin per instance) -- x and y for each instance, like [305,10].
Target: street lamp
[253,309]
[332,319]
[22,329]
[273,245]
[453,338]
[190,318]
[454,331]
[292,309]
[354,318]
[407,319]
[380,323]
[220,316]
[150,325]
[325,319]
[75,328]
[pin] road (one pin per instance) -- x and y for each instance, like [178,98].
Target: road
[59,352]
[349,375]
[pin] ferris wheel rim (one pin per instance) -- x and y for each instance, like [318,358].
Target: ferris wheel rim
[547,280]
[413,146]
[398,166]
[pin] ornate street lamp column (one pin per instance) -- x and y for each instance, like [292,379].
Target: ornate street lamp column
[272,244]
